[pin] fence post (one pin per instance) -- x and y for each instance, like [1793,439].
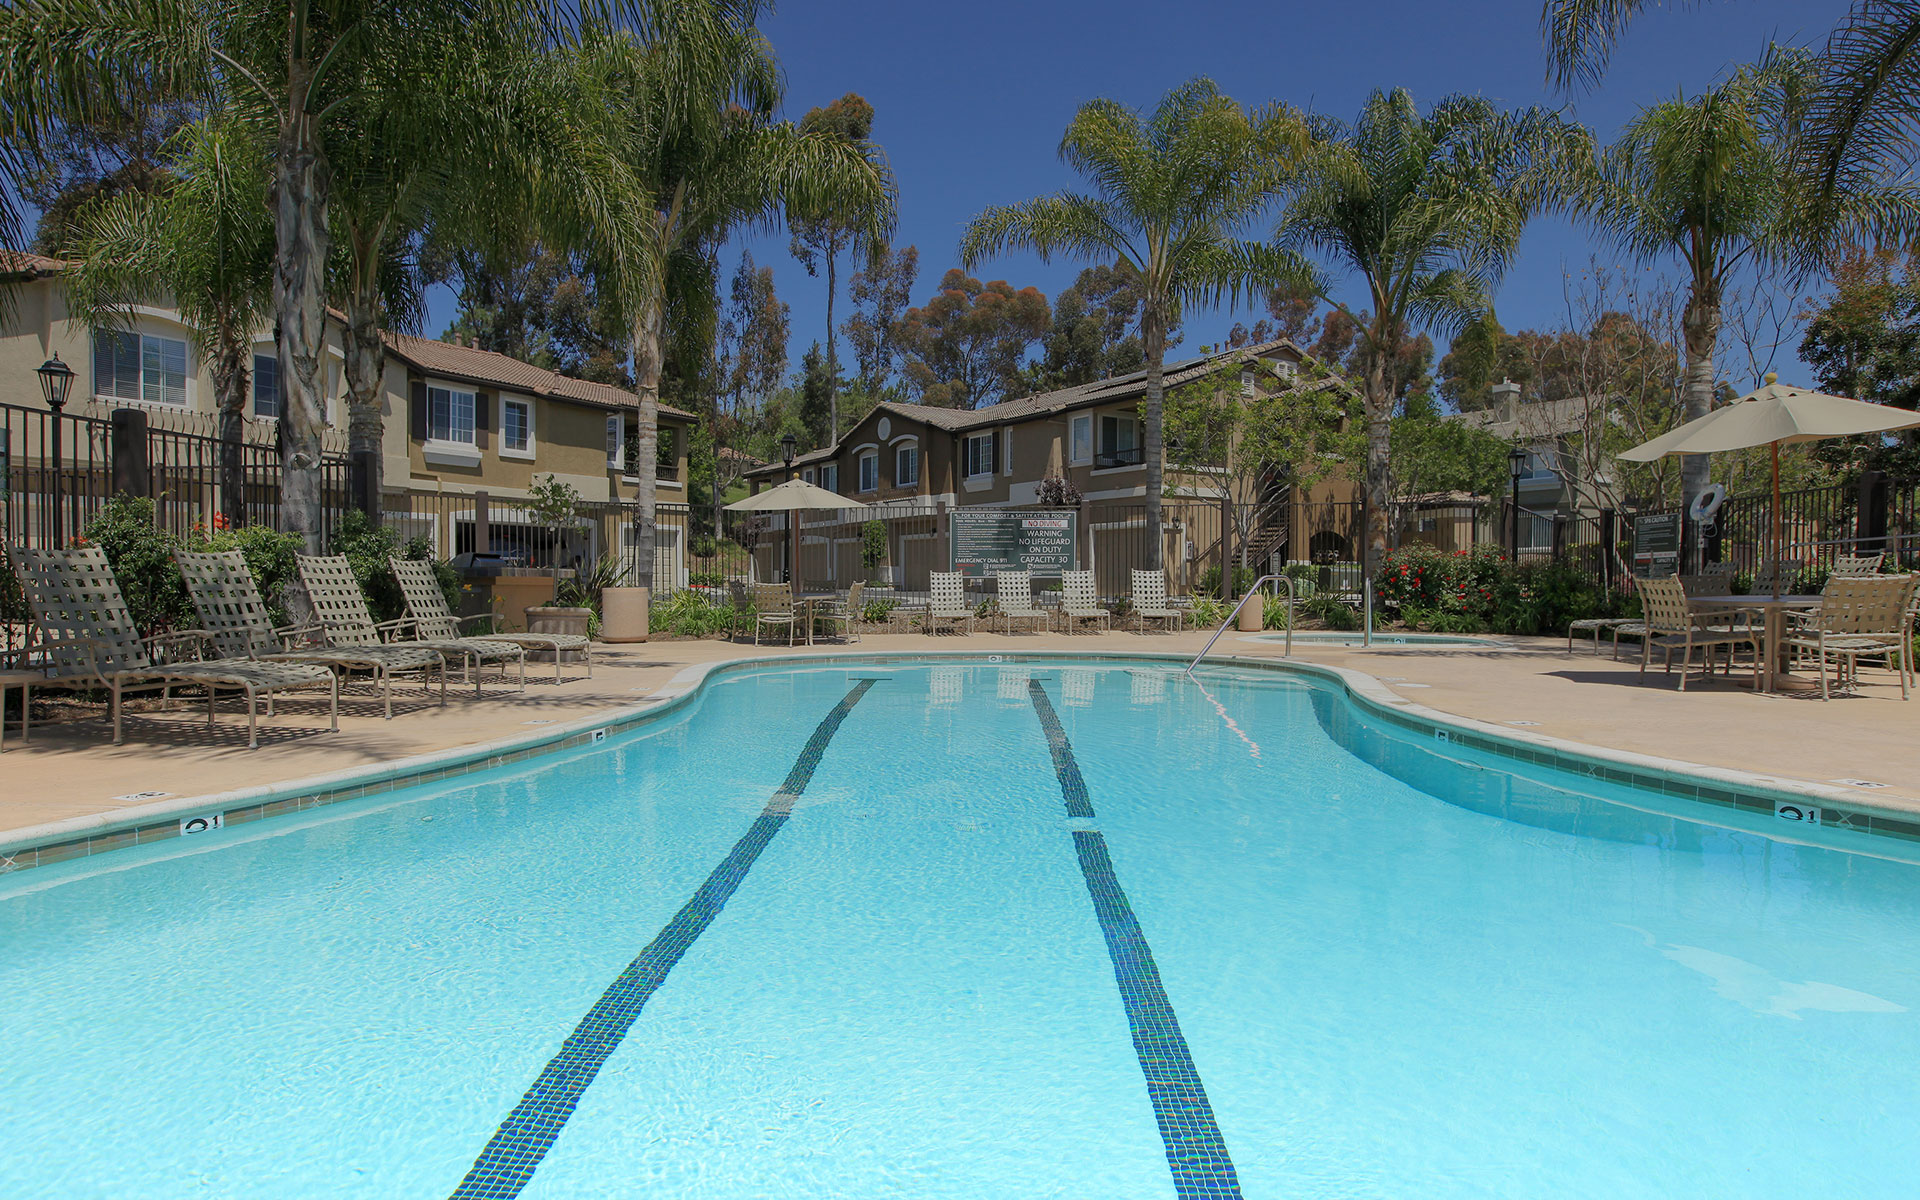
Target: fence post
[1226,548]
[1870,513]
[482,525]
[365,496]
[941,539]
[132,473]
[1609,538]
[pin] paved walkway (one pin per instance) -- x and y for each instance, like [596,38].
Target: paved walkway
[70,769]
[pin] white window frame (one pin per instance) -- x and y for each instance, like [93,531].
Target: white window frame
[830,476]
[452,451]
[617,442]
[867,460]
[807,475]
[1247,388]
[506,451]
[1006,459]
[1099,448]
[967,455]
[140,340]
[906,446]
[1080,454]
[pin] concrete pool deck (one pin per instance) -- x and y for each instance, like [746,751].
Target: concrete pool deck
[70,770]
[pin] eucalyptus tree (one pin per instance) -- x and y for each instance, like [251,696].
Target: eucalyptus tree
[203,241]
[691,100]
[287,67]
[1710,180]
[1172,192]
[1426,211]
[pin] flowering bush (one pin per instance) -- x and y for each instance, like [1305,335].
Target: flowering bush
[1469,591]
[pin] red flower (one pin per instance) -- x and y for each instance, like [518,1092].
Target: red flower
[219,520]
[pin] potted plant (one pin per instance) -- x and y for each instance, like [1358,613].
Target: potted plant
[553,505]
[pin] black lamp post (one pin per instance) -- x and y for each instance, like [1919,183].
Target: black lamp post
[1516,466]
[787,445]
[56,380]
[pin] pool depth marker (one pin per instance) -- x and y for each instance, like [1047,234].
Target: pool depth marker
[1196,1153]
[529,1131]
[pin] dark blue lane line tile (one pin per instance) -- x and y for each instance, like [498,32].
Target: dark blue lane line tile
[524,1138]
[1196,1153]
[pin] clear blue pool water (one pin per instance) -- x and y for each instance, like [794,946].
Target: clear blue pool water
[1393,974]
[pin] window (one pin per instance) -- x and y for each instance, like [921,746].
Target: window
[449,416]
[870,471]
[266,386]
[1080,442]
[1119,443]
[977,459]
[830,477]
[906,466]
[1006,458]
[807,475]
[516,427]
[139,366]
[1246,381]
[616,443]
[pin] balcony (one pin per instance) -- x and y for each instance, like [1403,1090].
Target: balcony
[1108,459]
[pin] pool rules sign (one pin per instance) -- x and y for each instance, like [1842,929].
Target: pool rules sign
[988,540]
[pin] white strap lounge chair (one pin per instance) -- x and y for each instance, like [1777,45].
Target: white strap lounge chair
[773,607]
[844,613]
[1855,565]
[1859,618]
[87,639]
[1078,603]
[949,602]
[1014,592]
[341,613]
[1671,626]
[432,619]
[1150,602]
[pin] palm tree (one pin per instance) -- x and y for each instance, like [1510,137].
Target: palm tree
[207,244]
[1172,192]
[1859,128]
[1426,211]
[1710,180]
[693,104]
[287,67]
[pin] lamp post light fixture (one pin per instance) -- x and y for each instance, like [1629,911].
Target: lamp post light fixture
[1516,467]
[787,445]
[56,381]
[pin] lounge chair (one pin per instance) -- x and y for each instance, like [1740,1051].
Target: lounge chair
[948,601]
[233,615]
[87,639]
[1855,565]
[341,613]
[1077,602]
[1859,618]
[427,608]
[1671,626]
[844,612]
[773,606]
[1014,591]
[1150,602]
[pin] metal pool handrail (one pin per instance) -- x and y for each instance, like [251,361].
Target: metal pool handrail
[1232,616]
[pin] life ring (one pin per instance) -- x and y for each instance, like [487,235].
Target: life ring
[1708,502]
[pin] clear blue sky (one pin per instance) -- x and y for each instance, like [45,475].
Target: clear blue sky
[971,99]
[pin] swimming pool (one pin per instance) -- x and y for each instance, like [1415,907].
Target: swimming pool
[1034,929]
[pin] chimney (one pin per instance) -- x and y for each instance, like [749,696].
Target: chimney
[1506,401]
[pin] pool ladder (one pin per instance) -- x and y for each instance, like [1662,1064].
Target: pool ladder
[1286,582]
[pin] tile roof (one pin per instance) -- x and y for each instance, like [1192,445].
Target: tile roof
[20,262]
[488,366]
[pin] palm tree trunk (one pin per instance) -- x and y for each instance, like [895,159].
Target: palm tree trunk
[300,187]
[1379,442]
[229,371]
[1153,336]
[833,365]
[366,361]
[1700,326]
[646,374]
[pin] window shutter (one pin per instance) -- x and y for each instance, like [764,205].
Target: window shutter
[1006,464]
[417,409]
[482,418]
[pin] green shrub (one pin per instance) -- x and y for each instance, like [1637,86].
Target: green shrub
[585,588]
[1209,584]
[1274,615]
[270,557]
[1206,612]
[1330,611]
[707,578]
[873,544]
[141,556]
[368,548]
[878,612]
[687,614]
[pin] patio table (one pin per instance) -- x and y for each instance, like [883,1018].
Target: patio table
[807,600]
[1773,611]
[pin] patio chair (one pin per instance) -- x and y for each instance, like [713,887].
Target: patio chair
[233,615]
[844,612]
[773,605]
[1775,578]
[1859,618]
[1672,626]
[949,601]
[86,639]
[1014,592]
[427,608]
[1855,565]
[1077,602]
[341,613]
[1713,579]
[1150,602]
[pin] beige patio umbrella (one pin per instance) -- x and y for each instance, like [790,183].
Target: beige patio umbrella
[793,497]
[1774,415]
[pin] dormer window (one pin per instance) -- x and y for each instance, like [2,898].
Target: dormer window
[1246,382]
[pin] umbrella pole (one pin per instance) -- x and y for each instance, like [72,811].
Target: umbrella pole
[1775,447]
[793,549]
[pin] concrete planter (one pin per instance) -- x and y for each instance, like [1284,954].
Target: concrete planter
[552,619]
[1253,615]
[623,614]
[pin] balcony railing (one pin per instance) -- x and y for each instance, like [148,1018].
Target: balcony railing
[1132,457]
